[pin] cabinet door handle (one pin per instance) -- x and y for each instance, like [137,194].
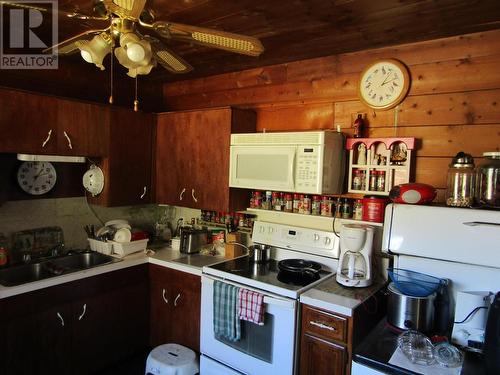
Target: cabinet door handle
[182,194]
[69,140]
[192,194]
[47,139]
[60,317]
[83,312]
[164,297]
[144,192]
[176,299]
[322,326]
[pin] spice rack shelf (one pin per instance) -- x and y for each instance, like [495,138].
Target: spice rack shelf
[304,220]
[378,164]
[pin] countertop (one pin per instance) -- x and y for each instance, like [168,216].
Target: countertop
[330,295]
[377,348]
[166,257]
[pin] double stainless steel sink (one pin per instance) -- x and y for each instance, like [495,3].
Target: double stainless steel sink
[48,268]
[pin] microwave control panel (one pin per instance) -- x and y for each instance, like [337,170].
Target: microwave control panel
[307,165]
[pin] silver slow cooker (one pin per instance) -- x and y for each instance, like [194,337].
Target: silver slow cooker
[408,312]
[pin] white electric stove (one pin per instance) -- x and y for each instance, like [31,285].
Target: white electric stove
[271,348]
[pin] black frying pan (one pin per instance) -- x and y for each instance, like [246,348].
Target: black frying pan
[299,267]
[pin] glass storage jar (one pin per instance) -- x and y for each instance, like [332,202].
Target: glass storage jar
[460,181]
[488,181]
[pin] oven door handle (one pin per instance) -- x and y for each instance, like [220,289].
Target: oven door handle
[269,300]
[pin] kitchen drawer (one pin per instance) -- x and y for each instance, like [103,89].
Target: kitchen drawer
[324,325]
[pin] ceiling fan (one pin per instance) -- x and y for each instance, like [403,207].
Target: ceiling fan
[133,34]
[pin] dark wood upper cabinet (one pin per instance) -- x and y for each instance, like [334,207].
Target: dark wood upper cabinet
[38,124]
[127,166]
[192,158]
[27,122]
[83,128]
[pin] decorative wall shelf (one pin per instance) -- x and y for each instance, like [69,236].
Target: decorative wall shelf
[377,164]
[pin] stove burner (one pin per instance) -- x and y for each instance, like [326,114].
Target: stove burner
[299,280]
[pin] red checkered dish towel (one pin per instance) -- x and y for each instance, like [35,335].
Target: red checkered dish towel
[251,306]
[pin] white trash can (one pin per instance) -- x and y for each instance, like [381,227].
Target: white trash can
[172,359]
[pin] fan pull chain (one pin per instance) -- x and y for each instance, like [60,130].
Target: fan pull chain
[136,102]
[111,82]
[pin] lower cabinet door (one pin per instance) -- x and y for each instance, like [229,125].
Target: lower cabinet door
[186,304]
[318,357]
[37,343]
[161,319]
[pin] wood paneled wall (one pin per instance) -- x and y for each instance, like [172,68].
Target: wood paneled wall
[453,103]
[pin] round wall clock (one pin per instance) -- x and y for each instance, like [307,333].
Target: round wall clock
[36,177]
[384,84]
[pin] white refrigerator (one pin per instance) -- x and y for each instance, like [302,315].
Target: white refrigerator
[459,244]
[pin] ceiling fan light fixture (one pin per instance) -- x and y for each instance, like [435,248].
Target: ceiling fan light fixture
[142,70]
[135,52]
[96,50]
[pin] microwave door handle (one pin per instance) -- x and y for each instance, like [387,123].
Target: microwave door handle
[292,170]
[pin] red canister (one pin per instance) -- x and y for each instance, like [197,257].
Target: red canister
[374,209]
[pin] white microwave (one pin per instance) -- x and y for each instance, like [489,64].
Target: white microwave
[311,162]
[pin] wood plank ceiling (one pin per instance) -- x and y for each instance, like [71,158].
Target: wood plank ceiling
[289,30]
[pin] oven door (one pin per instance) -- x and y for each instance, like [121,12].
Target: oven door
[267,349]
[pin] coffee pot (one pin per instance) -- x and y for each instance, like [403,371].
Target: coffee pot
[355,263]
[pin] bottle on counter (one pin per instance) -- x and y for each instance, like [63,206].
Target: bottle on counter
[460,181]
[306,205]
[488,181]
[338,208]
[316,205]
[358,126]
[257,199]
[4,253]
[381,181]
[326,206]
[301,204]
[288,202]
[356,180]
[357,210]
[346,209]
[373,180]
[296,203]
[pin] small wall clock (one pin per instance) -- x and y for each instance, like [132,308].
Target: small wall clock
[36,177]
[384,84]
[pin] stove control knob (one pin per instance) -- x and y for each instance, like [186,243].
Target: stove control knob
[262,229]
[271,230]
[328,240]
[316,237]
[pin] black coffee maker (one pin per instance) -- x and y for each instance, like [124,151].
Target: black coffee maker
[492,339]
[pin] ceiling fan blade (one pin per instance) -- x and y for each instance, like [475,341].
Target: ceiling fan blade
[167,58]
[71,45]
[209,37]
[69,14]
[128,9]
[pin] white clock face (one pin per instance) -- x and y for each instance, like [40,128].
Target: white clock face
[36,177]
[384,84]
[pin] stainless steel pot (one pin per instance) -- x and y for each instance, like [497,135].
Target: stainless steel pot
[408,312]
[259,253]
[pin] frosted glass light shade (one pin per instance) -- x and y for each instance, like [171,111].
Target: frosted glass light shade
[96,50]
[135,52]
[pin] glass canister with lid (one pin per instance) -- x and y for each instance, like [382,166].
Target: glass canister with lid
[488,181]
[460,181]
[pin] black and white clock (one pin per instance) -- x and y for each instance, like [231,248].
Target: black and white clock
[36,177]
